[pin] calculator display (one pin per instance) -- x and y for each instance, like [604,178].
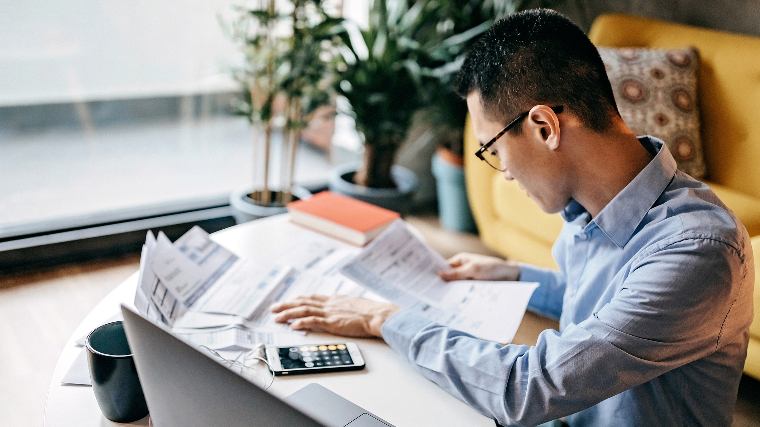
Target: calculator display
[315,356]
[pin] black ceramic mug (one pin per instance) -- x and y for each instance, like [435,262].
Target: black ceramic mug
[114,376]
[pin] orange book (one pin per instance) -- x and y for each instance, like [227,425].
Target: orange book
[341,217]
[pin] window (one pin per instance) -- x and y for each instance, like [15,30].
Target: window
[116,110]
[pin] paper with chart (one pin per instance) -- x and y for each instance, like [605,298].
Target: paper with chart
[197,284]
[400,267]
[203,276]
[150,298]
[193,256]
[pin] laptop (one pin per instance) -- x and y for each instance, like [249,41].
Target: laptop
[184,386]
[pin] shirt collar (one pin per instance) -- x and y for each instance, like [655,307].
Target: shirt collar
[619,219]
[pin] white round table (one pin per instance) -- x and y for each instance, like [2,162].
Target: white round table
[388,386]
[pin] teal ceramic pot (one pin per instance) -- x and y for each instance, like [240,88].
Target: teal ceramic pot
[453,206]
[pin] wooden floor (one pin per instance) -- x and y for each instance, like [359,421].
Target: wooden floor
[39,311]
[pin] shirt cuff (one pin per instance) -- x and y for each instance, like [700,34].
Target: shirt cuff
[540,302]
[400,329]
[528,273]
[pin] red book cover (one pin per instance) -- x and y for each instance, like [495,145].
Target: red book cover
[342,217]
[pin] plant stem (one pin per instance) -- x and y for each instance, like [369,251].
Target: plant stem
[376,170]
[267,145]
[268,131]
[293,137]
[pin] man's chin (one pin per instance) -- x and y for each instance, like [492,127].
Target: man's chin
[545,207]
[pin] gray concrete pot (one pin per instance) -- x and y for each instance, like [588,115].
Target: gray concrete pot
[245,209]
[396,199]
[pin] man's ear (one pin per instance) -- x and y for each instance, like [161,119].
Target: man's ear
[545,123]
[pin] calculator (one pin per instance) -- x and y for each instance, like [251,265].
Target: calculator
[313,358]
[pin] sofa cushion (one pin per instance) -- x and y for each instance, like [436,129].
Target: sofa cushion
[754,329]
[746,208]
[752,363]
[729,87]
[656,94]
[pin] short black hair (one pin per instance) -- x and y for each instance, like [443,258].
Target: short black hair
[535,57]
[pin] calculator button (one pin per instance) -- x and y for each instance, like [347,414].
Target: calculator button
[304,348]
[347,361]
[309,365]
[332,347]
[294,356]
[307,359]
[313,348]
[294,349]
[323,347]
[341,347]
[328,363]
[319,363]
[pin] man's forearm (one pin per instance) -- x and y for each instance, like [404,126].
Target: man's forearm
[453,360]
[547,298]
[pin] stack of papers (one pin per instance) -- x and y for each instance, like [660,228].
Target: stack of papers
[211,297]
[196,278]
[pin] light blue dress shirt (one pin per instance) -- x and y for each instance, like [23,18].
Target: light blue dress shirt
[654,298]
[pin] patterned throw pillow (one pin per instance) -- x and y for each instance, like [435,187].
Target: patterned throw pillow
[656,93]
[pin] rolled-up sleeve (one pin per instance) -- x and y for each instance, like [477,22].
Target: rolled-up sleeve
[646,330]
[547,298]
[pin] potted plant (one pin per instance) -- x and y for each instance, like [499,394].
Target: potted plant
[382,76]
[288,49]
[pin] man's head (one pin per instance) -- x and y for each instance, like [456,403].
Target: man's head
[529,62]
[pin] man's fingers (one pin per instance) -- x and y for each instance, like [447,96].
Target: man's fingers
[463,272]
[282,306]
[449,274]
[299,312]
[300,301]
[311,323]
[456,260]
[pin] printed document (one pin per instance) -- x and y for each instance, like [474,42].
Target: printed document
[398,266]
[196,273]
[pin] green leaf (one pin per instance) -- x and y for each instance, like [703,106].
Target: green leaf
[464,37]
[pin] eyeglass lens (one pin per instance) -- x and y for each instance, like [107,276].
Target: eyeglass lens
[493,160]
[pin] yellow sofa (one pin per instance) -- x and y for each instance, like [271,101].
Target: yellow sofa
[729,97]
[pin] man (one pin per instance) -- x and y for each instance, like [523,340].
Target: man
[654,291]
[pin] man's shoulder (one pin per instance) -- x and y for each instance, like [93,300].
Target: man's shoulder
[689,210]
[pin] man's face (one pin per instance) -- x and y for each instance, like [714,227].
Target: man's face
[526,157]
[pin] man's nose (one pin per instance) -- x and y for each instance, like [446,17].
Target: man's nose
[508,175]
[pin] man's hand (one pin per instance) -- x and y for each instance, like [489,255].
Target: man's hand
[339,315]
[479,267]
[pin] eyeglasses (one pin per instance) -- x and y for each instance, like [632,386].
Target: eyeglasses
[492,159]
